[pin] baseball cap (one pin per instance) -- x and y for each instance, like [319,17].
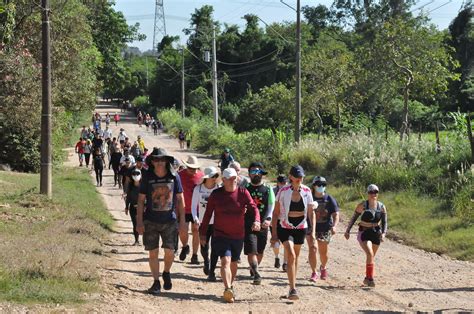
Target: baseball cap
[297,171]
[229,173]
[282,178]
[318,179]
[372,188]
[139,159]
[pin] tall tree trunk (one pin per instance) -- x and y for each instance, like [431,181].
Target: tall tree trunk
[406,95]
[321,124]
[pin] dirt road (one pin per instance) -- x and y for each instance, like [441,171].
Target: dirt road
[407,279]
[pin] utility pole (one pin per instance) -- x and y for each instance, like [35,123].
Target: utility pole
[46,166]
[214,78]
[183,99]
[298,72]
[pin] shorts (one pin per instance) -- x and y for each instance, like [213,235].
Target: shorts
[153,232]
[188,218]
[324,236]
[255,242]
[284,235]
[227,247]
[371,234]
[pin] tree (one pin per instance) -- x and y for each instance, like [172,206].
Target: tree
[328,74]
[462,39]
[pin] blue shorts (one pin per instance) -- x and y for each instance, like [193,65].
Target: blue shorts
[228,247]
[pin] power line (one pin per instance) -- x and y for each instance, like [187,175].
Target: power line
[247,62]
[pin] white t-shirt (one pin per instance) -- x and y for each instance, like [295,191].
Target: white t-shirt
[121,136]
[199,202]
[132,159]
[107,134]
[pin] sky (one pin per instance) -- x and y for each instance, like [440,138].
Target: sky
[178,12]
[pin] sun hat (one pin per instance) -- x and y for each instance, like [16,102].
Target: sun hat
[192,162]
[229,173]
[159,152]
[209,172]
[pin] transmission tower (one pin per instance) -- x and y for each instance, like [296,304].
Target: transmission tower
[160,25]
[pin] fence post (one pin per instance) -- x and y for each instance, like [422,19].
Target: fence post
[438,145]
[469,135]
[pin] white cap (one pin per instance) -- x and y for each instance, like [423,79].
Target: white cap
[209,172]
[229,173]
[372,187]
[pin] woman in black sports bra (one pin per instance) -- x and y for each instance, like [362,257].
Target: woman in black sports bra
[372,229]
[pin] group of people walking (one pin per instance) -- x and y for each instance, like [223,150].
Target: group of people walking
[228,213]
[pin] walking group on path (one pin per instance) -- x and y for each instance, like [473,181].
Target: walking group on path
[226,211]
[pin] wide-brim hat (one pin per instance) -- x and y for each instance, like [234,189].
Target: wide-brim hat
[192,162]
[159,152]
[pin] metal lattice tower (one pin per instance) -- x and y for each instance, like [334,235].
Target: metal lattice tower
[160,25]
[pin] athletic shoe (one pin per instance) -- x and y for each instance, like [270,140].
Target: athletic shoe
[314,277]
[155,288]
[293,295]
[284,267]
[323,273]
[211,277]
[184,253]
[257,279]
[167,285]
[277,262]
[229,295]
[136,243]
[369,282]
[194,259]
[206,267]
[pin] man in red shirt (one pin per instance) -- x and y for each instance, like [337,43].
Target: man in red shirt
[229,205]
[80,150]
[190,177]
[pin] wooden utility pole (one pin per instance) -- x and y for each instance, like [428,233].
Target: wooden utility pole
[183,92]
[298,72]
[46,165]
[214,79]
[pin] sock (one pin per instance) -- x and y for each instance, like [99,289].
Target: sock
[369,271]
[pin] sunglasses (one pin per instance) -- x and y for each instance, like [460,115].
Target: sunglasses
[255,171]
[319,184]
[373,192]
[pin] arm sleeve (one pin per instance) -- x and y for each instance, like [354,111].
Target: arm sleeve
[195,202]
[251,206]
[384,220]
[352,221]
[271,204]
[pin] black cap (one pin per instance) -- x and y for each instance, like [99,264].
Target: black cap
[297,171]
[282,178]
[139,159]
[259,165]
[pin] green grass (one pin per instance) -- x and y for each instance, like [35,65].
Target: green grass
[46,244]
[419,221]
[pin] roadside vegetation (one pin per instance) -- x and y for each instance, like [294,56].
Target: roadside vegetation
[50,249]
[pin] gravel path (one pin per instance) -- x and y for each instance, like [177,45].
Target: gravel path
[407,279]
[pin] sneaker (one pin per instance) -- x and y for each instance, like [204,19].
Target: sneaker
[277,262]
[155,288]
[194,259]
[229,295]
[369,282]
[314,277]
[206,267]
[323,273]
[100,183]
[293,295]
[184,253]
[136,243]
[167,285]
[211,277]
[257,279]
[284,267]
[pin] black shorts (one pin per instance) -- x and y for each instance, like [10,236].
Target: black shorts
[255,242]
[372,235]
[227,247]
[188,218]
[284,235]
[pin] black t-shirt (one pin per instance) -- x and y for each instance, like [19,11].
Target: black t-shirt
[327,205]
[260,195]
[160,196]
[98,161]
